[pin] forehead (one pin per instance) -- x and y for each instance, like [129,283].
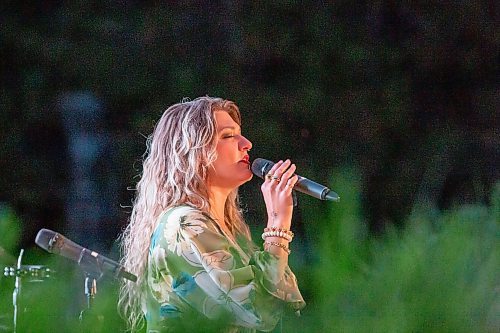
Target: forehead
[223,119]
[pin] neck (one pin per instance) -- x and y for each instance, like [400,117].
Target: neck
[217,201]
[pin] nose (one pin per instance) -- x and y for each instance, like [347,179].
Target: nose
[245,144]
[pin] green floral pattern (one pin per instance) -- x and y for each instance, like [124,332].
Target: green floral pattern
[198,277]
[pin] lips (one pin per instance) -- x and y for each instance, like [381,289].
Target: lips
[246,159]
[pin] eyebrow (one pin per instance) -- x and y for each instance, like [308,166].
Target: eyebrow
[228,127]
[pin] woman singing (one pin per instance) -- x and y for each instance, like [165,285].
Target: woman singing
[187,242]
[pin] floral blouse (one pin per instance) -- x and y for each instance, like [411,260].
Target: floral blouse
[196,272]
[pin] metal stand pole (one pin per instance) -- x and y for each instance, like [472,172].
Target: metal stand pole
[90,292]
[17,291]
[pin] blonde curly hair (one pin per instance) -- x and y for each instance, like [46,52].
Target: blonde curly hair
[179,153]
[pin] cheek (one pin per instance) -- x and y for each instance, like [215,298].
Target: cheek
[222,163]
[225,153]
[222,160]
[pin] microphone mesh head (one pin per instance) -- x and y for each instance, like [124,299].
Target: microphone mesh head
[44,239]
[260,167]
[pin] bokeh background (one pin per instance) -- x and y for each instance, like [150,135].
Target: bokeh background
[393,105]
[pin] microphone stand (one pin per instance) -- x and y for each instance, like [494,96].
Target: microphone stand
[89,319]
[17,291]
[21,308]
[90,292]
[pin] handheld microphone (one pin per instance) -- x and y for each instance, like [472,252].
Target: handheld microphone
[91,262]
[261,167]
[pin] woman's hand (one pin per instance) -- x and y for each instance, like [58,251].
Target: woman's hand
[277,190]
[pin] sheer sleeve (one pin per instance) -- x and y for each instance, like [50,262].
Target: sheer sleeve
[199,266]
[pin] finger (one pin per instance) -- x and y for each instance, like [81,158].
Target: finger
[286,176]
[291,183]
[276,166]
[282,168]
[273,169]
[288,173]
[277,175]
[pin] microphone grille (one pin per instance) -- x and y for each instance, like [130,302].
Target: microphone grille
[260,167]
[46,239]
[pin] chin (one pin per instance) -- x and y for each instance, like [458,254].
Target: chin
[245,179]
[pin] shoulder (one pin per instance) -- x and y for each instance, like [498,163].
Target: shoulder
[187,220]
[178,214]
[178,225]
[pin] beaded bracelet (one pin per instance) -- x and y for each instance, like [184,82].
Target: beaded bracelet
[281,234]
[283,246]
[288,232]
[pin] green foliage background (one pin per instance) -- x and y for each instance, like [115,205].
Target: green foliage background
[438,274]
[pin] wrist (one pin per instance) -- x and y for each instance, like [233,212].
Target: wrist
[276,220]
[273,232]
[277,240]
[277,247]
[279,224]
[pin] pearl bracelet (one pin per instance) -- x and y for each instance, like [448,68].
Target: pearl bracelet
[280,230]
[282,246]
[276,233]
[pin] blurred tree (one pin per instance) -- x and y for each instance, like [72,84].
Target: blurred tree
[406,92]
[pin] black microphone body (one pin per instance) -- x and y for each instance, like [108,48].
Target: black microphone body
[91,262]
[261,167]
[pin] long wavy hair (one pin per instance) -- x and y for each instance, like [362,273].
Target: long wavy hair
[179,153]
